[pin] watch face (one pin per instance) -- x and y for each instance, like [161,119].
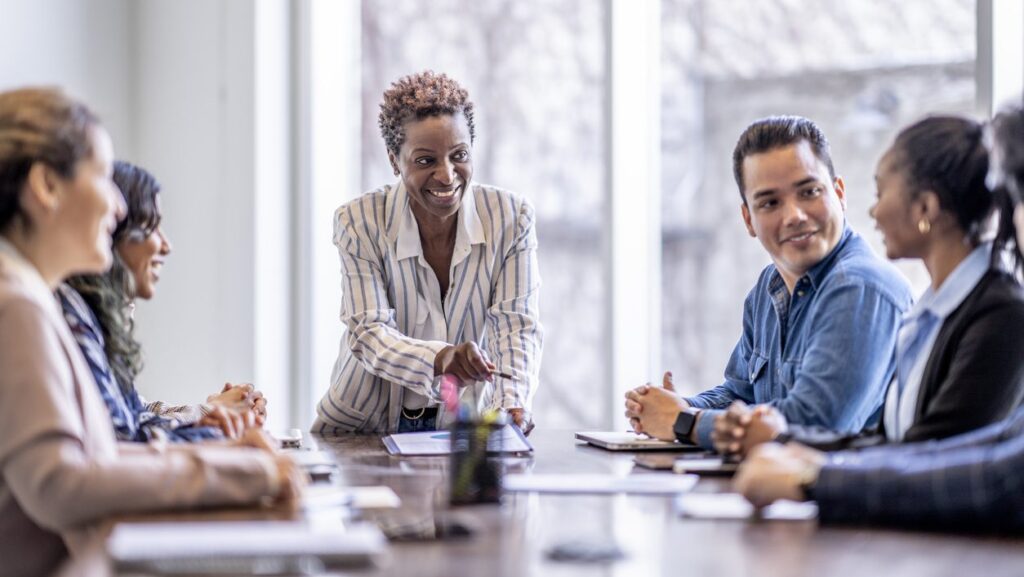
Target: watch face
[684,426]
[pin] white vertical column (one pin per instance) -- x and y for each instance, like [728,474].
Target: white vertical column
[635,169]
[272,238]
[329,83]
[1000,61]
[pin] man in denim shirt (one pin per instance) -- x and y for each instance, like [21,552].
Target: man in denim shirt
[820,325]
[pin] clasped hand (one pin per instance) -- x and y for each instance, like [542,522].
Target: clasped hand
[653,410]
[741,428]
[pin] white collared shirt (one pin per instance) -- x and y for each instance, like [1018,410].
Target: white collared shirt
[901,408]
[431,324]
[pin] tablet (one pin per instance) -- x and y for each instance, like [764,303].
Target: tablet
[628,441]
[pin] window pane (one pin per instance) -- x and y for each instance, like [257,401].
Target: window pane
[861,69]
[537,74]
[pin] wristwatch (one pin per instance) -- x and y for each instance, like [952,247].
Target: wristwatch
[684,424]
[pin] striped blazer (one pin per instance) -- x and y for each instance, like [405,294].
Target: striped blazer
[492,300]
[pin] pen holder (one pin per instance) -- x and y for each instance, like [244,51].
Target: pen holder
[474,478]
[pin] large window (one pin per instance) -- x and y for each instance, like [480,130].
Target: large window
[537,74]
[861,69]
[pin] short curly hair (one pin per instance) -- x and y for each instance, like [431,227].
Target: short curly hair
[418,96]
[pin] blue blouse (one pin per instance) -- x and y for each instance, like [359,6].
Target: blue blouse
[130,417]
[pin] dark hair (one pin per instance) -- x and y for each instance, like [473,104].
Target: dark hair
[39,125]
[1007,130]
[947,155]
[418,96]
[110,295]
[775,132]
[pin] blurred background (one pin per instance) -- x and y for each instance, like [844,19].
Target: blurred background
[616,119]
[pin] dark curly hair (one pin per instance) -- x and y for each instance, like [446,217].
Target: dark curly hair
[110,295]
[418,96]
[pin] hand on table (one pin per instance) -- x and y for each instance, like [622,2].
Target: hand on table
[741,428]
[290,478]
[653,410]
[519,419]
[242,398]
[231,422]
[773,471]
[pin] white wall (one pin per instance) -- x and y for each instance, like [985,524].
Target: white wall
[84,47]
[222,309]
[198,92]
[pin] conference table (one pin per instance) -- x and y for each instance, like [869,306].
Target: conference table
[525,532]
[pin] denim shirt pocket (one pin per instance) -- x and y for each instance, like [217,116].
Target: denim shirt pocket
[757,373]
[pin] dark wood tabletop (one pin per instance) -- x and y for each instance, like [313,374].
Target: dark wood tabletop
[518,536]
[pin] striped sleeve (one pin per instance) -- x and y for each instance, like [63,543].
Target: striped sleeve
[516,335]
[373,336]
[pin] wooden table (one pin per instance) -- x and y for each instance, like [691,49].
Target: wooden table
[513,538]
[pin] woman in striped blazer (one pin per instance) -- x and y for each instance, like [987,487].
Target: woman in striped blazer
[439,276]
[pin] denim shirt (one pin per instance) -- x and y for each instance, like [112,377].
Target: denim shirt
[822,355]
[131,420]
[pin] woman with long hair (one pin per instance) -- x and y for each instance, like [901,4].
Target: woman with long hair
[99,309]
[61,468]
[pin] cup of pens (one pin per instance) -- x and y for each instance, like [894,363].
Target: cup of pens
[474,478]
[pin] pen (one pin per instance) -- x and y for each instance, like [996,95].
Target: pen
[502,375]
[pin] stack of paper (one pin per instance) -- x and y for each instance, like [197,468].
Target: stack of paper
[163,546]
[637,484]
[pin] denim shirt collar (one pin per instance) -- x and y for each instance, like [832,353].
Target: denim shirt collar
[816,272]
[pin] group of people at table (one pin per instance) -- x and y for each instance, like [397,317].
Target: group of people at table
[841,388]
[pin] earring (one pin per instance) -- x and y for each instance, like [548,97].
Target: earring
[924,226]
[397,172]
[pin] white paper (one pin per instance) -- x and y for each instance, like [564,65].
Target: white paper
[734,506]
[132,542]
[651,484]
[323,496]
[309,459]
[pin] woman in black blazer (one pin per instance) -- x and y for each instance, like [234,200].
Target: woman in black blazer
[960,357]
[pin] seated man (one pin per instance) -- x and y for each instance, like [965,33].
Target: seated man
[967,482]
[820,325]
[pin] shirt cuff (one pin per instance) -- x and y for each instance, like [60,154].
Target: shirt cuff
[705,425]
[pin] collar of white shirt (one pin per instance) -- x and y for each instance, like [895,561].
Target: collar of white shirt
[470,229]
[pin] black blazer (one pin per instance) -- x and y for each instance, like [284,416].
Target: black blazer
[974,375]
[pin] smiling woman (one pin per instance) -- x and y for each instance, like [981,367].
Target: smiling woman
[439,277]
[99,307]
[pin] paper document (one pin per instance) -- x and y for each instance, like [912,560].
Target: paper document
[509,439]
[637,484]
[323,496]
[734,506]
[136,544]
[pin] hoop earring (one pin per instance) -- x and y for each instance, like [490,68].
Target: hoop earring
[924,226]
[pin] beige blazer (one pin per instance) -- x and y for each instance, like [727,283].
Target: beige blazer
[62,469]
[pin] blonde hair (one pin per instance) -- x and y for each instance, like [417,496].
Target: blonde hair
[39,125]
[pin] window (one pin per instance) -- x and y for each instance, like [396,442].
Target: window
[860,69]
